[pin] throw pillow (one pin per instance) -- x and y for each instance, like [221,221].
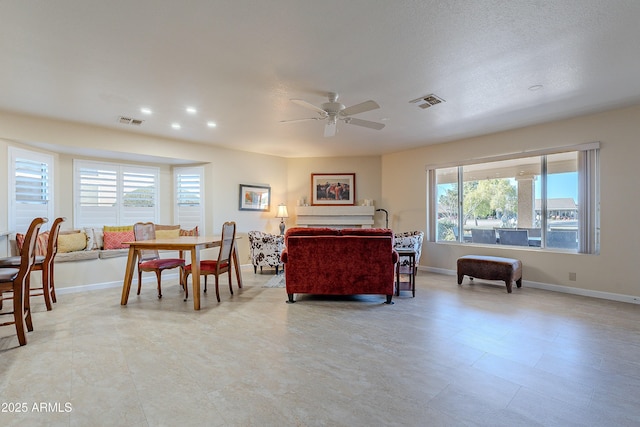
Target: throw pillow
[192,232]
[117,228]
[115,239]
[41,243]
[72,242]
[167,234]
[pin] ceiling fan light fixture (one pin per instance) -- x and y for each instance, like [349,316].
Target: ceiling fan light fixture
[333,110]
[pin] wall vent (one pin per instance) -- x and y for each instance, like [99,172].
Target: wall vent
[130,121]
[427,101]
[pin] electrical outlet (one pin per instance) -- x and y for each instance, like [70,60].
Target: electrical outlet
[572,277]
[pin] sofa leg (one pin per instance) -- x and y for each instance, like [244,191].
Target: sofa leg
[389,299]
[290,300]
[255,269]
[509,289]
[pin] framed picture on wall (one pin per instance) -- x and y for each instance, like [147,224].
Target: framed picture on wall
[329,189]
[255,198]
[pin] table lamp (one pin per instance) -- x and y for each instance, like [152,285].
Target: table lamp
[282,214]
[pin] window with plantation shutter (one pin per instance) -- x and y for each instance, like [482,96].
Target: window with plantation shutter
[114,194]
[189,197]
[30,188]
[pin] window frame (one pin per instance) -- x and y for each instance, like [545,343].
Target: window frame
[120,213]
[14,222]
[588,193]
[181,217]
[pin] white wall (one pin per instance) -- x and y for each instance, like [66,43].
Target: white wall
[613,271]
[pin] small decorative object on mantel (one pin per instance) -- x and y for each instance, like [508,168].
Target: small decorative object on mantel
[255,198]
[328,189]
[282,214]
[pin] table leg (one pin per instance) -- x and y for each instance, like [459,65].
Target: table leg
[195,277]
[128,275]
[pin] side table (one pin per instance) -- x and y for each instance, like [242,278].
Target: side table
[408,270]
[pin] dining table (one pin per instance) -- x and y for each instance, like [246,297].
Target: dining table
[191,244]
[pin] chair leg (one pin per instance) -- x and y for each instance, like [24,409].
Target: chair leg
[255,269]
[230,287]
[186,288]
[46,283]
[158,273]
[217,291]
[52,284]
[205,283]
[18,314]
[27,304]
[139,280]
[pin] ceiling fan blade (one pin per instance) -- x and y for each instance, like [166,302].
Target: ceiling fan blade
[364,123]
[300,120]
[359,108]
[330,129]
[310,106]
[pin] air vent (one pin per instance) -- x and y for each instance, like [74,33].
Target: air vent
[427,101]
[130,121]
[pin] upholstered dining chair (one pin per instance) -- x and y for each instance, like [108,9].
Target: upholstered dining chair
[219,266]
[16,282]
[149,260]
[42,263]
[265,250]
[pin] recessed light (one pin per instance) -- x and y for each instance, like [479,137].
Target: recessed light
[211,124]
[176,125]
[145,110]
[535,87]
[191,110]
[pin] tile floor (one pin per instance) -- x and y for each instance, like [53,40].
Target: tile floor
[453,356]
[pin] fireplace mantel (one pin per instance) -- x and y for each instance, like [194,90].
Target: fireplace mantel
[335,216]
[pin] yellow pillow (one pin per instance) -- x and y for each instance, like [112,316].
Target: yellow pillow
[118,228]
[167,234]
[72,242]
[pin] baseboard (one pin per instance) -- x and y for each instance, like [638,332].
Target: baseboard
[114,284]
[555,288]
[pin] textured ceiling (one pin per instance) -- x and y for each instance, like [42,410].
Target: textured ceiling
[239,62]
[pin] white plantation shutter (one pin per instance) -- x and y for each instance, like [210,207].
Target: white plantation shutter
[189,199]
[114,194]
[30,188]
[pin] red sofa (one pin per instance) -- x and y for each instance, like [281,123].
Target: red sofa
[339,262]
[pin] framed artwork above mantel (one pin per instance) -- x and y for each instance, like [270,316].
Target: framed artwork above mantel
[329,189]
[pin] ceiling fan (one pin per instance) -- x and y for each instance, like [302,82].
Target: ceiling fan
[333,110]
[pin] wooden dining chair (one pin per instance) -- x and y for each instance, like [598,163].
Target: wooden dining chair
[219,266]
[149,259]
[15,281]
[42,263]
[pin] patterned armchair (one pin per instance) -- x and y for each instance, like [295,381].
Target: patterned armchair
[409,240]
[265,250]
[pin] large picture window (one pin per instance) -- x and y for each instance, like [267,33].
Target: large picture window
[114,194]
[547,200]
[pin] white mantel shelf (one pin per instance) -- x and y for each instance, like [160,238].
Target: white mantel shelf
[335,216]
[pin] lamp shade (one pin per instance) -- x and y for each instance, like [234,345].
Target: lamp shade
[282,212]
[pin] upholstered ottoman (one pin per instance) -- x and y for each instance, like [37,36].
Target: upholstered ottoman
[490,268]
